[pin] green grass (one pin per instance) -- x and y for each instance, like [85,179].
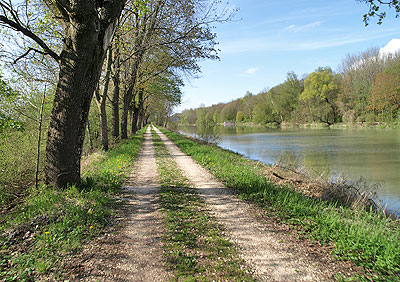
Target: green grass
[194,245]
[52,224]
[370,240]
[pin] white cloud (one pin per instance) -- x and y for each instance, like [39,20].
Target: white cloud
[292,26]
[264,44]
[327,43]
[305,27]
[391,48]
[246,45]
[250,71]
[243,45]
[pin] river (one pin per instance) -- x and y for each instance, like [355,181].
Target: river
[373,154]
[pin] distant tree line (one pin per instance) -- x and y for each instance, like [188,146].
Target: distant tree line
[365,88]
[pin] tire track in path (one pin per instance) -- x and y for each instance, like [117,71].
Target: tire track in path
[135,252]
[272,258]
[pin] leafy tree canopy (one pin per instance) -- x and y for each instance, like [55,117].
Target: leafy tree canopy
[376,9]
[320,83]
[7,97]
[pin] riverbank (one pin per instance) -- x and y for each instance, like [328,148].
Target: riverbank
[340,125]
[369,239]
[366,158]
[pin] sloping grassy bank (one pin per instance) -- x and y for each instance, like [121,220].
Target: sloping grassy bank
[370,240]
[51,224]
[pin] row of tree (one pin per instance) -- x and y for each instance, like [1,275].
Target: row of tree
[131,56]
[366,88]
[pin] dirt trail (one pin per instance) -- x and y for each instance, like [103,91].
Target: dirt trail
[273,256]
[135,252]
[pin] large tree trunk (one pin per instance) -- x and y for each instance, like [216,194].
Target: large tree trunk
[135,116]
[101,100]
[141,110]
[128,95]
[136,111]
[115,99]
[334,112]
[89,132]
[147,119]
[125,114]
[141,118]
[85,44]
[101,106]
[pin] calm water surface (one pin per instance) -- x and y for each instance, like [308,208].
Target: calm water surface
[373,154]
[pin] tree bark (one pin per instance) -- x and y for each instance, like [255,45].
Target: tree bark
[87,36]
[141,118]
[128,96]
[135,117]
[39,138]
[141,110]
[115,99]
[89,132]
[136,108]
[101,106]
[333,110]
[101,100]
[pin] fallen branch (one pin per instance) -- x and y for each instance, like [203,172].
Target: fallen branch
[277,175]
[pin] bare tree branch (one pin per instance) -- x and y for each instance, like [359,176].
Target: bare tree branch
[27,52]
[18,26]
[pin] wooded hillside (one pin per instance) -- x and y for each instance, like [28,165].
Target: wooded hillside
[365,88]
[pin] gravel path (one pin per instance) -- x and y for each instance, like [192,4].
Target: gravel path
[273,257]
[135,252]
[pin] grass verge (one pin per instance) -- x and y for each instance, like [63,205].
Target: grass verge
[51,224]
[370,240]
[194,245]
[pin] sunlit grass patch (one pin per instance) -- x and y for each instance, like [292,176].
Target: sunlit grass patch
[369,239]
[50,224]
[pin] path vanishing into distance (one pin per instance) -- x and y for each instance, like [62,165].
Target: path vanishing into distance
[135,252]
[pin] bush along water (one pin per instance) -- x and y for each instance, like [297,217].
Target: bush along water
[369,239]
[51,225]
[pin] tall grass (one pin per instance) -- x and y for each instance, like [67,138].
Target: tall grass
[369,239]
[17,162]
[51,224]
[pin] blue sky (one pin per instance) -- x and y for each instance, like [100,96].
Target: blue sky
[270,38]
